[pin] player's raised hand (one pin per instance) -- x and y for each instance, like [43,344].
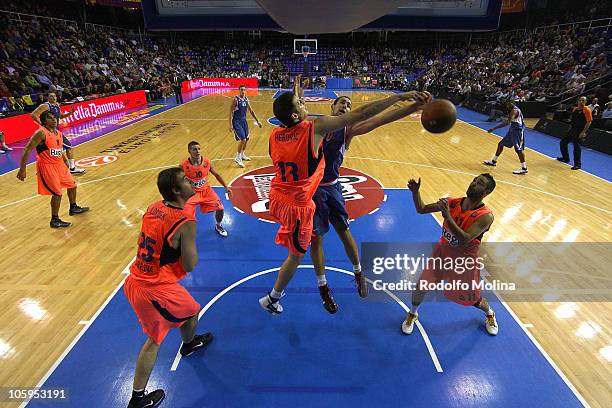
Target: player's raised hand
[443,204]
[414,185]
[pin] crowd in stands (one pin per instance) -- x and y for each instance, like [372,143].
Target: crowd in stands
[525,67]
[76,61]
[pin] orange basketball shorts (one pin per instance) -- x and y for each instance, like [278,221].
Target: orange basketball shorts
[465,291]
[296,225]
[207,199]
[160,308]
[52,178]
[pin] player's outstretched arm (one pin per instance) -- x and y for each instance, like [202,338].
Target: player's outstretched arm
[505,123]
[297,88]
[395,112]
[420,206]
[34,141]
[189,254]
[326,124]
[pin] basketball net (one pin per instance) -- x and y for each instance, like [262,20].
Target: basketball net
[305,54]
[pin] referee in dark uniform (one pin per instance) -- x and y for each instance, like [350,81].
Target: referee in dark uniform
[581,118]
[176,84]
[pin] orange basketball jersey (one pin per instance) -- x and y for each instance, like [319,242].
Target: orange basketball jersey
[463,219]
[299,168]
[50,150]
[197,173]
[157,261]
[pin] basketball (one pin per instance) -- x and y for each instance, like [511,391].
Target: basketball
[439,116]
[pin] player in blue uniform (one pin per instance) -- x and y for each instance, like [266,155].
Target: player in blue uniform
[238,124]
[54,107]
[330,206]
[514,138]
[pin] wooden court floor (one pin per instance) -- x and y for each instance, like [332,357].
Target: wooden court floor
[53,281]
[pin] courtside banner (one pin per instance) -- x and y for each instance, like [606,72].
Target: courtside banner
[21,127]
[95,108]
[197,83]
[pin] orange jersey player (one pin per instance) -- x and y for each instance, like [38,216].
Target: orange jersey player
[466,220]
[197,168]
[51,172]
[166,253]
[295,150]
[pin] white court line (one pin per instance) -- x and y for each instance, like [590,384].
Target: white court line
[117,175]
[218,296]
[536,343]
[81,333]
[474,175]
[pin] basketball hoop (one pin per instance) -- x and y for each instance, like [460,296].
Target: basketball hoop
[305,51]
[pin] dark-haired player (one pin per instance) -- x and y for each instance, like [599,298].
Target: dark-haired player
[514,138]
[51,171]
[54,107]
[330,205]
[295,150]
[466,219]
[166,253]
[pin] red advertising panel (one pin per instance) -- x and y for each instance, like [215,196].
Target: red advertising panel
[95,108]
[197,83]
[18,127]
[513,6]
[21,127]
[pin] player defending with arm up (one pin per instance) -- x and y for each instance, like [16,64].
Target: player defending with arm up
[295,150]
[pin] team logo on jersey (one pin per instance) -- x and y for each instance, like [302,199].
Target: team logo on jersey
[96,161]
[362,193]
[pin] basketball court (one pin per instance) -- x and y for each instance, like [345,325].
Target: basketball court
[66,285]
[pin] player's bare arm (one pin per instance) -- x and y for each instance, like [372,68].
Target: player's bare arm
[36,139]
[297,88]
[395,112]
[254,116]
[38,111]
[65,115]
[326,124]
[505,123]
[220,180]
[422,208]
[185,240]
